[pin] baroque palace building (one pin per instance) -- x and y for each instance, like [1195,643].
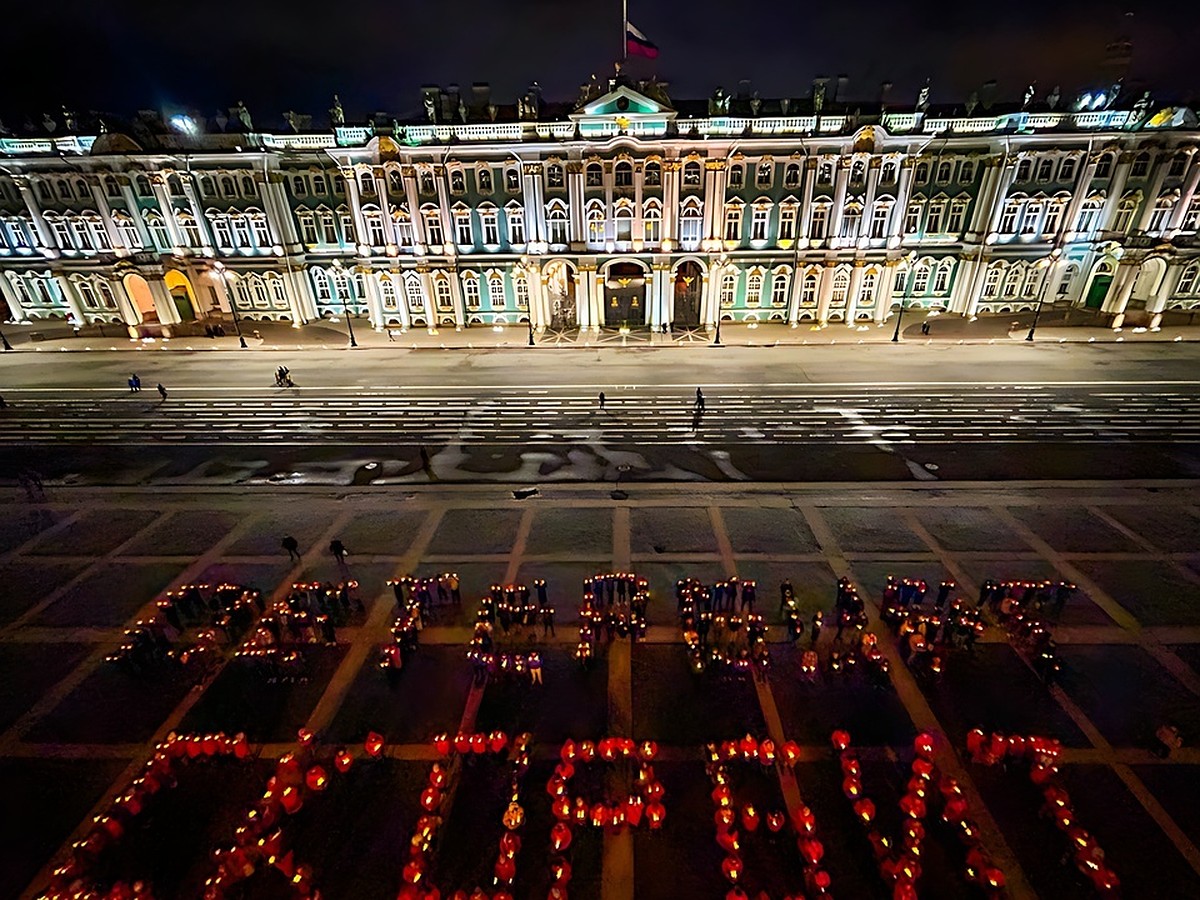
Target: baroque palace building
[622,210]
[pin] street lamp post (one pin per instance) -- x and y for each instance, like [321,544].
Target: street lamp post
[237,324]
[349,323]
[912,274]
[1037,312]
[529,322]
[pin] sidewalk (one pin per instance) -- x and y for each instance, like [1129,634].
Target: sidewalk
[1053,327]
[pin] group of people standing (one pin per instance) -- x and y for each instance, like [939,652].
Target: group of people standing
[721,635]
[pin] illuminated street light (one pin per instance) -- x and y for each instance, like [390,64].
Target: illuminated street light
[220,267]
[1045,264]
[912,273]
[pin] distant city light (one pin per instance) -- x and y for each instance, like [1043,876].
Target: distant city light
[184,124]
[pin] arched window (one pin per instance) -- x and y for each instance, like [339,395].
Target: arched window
[1104,166]
[779,287]
[922,173]
[521,290]
[1189,280]
[319,188]
[841,288]
[808,290]
[366,184]
[764,173]
[228,188]
[396,183]
[321,283]
[593,175]
[555,178]
[1013,281]
[427,183]
[754,287]
[887,173]
[690,222]
[442,295]
[1141,166]
[858,172]
[1045,169]
[113,189]
[387,294]
[623,174]
[484,176]
[1178,165]
[496,290]
[1125,210]
[825,171]
[920,284]
[653,174]
[594,218]
[470,283]
[691,174]
[728,289]
[248,189]
[299,186]
[652,221]
[941,281]
[143,186]
[458,182]
[557,222]
[1066,169]
[737,176]
[991,282]
[866,291]
[414,293]
[1024,170]
[966,173]
[512,180]
[791,175]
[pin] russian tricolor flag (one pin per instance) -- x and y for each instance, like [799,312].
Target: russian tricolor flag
[638,44]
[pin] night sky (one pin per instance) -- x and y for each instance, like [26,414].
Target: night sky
[123,55]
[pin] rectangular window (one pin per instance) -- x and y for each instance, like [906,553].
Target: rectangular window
[462,230]
[879,220]
[471,292]
[728,288]
[934,224]
[653,229]
[779,290]
[496,292]
[733,224]
[441,291]
[375,230]
[521,289]
[912,218]
[758,223]
[262,234]
[516,226]
[329,229]
[1053,219]
[491,230]
[308,231]
[689,230]
[958,211]
[241,232]
[62,234]
[820,222]
[1008,220]
[787,223]
[433,230]
[348,228]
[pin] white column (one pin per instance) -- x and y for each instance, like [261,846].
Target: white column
[420,241]
[163,304]
[535,206]
[456,299]
[374,302]
[996,207]
[806,202]
[887,287]
[167,208]
[1185,197]
[575,202]
[193,198]
[1082,185]
[714,200]
[825,292]
[1116,188]
[670,212]
[115,238]
[798,275]
[135,212]
[278,210]
[710,302]
[350,177]
[856,277]
[868,213]
[903,196]
[443,195]
[839,201]
[397,281]
[72,297]
[49,244]
[960,294]
[1141,221]
[583,297]
[12,301]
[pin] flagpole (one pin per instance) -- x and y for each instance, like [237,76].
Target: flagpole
[624,30]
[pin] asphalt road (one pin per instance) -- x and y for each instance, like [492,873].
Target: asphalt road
[855,413]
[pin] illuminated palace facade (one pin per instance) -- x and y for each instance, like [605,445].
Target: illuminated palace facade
[623,210]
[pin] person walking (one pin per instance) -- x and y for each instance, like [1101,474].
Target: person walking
[338,549]
[135,383]
[292,546]
[699,400]
[162,392]
[602,399]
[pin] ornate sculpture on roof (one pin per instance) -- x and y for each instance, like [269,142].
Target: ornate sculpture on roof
[527,106]
[718,103]
[337,116]
[1141,111]
[1028,96]
[430,107]
[818,94]
[656,90]
[1053,98]
[297,121]
[589,91]
[463,113]
[48,123]
[69,122]
[923,98]
[972,102]
[243,115]
[755,104]
[493,110]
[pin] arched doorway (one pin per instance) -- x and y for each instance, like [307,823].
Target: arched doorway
[1102,278]
[689,282]
[625,296]
[143,301]
[1147,283]
[182,294]
[560,292]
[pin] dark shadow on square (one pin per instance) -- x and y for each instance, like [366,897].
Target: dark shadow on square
[868,529]
[242,700]
[388,533]
[187,533]
[1174,529]
[26,582]
[1126,693]
[428,697]
[469,532]
[768,530]
[111,595]
[674,706]
[587,532]
[23,523]
[681,529]
[52,796]
[571,702]
[1072,529]
[94,533]
[811,711]
[112,707]
[969,528]
[262,538]
[28,670]
[1156,593]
